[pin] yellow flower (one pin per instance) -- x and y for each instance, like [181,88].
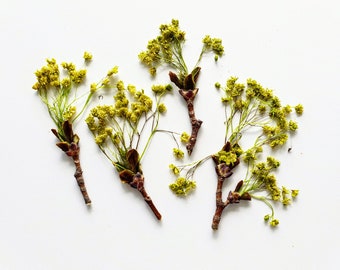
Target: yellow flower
[162,108]
[185,137]
[87,56]
[178,153]
[294,193]
[274,222]
[299,109]
[174,169]
[112,71]
[182,186]
[93,87]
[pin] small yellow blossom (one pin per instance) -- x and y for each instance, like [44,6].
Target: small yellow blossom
[174,169]
[274,222]
[299,109]
[217,85]
[161,108]
[132,89]
[294,193]
[182,186]
[178,153]
[185,137]
[112,71]
[87,56]
[106,82]
[93,87]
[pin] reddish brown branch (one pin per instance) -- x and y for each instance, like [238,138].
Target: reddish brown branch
[69,144]
[134,177]
[188,91]
[189,97]
[138,183]
[79,172]
[223,172]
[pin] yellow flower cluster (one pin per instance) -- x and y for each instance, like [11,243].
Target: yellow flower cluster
[178,153]
[76,76]
[47,76]
[163,47]
[256,104]
[229,158]
[111,121]
[87,56]
[213,44]
[69,113]
[185,137]
[182,186]
[175,170]
[160,89]
[263,178]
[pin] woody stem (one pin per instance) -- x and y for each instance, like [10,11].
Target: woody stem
[79,175]
[189,97]
[220,205]
[138,183]
[150,203]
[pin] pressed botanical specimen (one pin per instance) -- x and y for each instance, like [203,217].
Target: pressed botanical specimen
[124,130]
[57,88]
[249,110]
[167,49]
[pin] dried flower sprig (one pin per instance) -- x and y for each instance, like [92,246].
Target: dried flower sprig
[59,94]
[167,49]
[118,131]
[254,108]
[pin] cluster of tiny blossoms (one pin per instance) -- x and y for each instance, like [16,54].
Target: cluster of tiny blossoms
[167,49]
[252,106]
[59,92]
[183,185]
[118,127]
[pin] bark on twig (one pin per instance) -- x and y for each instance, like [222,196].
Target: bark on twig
[79,172]
[188,90]
[189,97]
[223,172]
[134,177]
[138,183]
[70,146]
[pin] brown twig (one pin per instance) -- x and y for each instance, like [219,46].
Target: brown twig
[134,177]
[138,183]
[223,172]
[188,91]
[69,144]
[189,96]
[74,154]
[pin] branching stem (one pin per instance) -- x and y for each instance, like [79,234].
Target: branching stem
[189,97]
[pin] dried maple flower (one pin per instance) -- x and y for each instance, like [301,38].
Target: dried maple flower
[166,49]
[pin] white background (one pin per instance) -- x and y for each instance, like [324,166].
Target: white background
[292,47]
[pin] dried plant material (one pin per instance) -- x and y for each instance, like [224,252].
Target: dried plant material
[167,49]
[118,130]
